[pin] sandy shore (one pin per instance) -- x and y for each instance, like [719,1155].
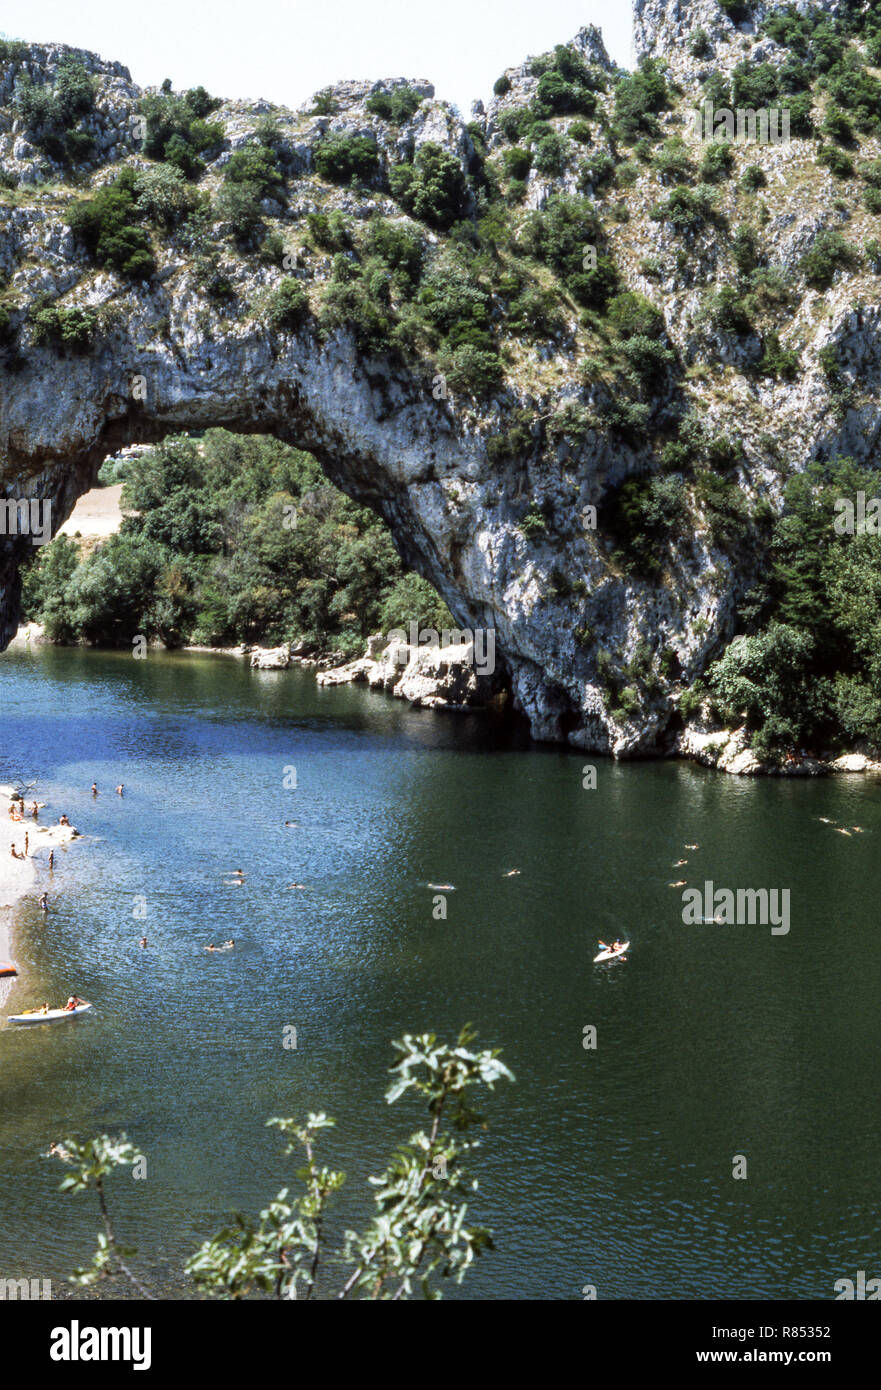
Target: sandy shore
[20,877]
[96,515]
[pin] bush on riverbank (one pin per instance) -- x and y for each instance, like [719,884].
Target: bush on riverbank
[807,668]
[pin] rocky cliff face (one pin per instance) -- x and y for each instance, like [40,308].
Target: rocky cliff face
[596,650]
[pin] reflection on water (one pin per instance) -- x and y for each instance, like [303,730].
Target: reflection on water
[611,1167]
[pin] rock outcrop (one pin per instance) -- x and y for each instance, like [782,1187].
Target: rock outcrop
[430,677]
[592,652]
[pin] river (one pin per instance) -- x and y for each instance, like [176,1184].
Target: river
[609,1167]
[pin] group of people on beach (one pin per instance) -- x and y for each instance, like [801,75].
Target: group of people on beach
[17,813]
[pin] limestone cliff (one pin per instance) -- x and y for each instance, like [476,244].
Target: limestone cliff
[489,491]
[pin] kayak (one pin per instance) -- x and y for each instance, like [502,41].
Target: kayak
[7,968]
[609,954]
[37,1016]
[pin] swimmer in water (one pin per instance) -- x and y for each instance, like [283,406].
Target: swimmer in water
[120,789]
[94,788]
[44,902]
[512,873]
[143,943]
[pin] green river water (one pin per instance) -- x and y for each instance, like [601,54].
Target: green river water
[610,1167]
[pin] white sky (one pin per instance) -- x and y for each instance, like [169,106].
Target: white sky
[285,50]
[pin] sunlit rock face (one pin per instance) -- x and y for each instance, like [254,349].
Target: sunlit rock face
[592,653]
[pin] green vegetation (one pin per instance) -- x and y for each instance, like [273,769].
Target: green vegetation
[73,329]
[107,227]
[566,86]
[346,159]
[251,174]
[717,163]
[639,97]
[644,516]
[689,210]
[673,162]
[828,254]
[177,131]
[432,188]
[753,178]
[232,539]
[396,106]
[53,116]
[808,669]
[287,305]
[557,236]
[418,1237]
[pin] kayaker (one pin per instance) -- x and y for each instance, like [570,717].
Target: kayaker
[73,1002]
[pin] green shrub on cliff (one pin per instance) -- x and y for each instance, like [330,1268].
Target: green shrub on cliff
[396,106]
[73,328]
[343,159]
[828,254]
[177,130]
[287,305]
[52,115]
[639,97]
[107,225]
[432,188]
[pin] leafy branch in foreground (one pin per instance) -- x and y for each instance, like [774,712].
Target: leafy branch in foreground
[93,1161]
[418,1231]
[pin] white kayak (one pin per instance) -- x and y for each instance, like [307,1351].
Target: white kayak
[609,954]
[53,1015]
